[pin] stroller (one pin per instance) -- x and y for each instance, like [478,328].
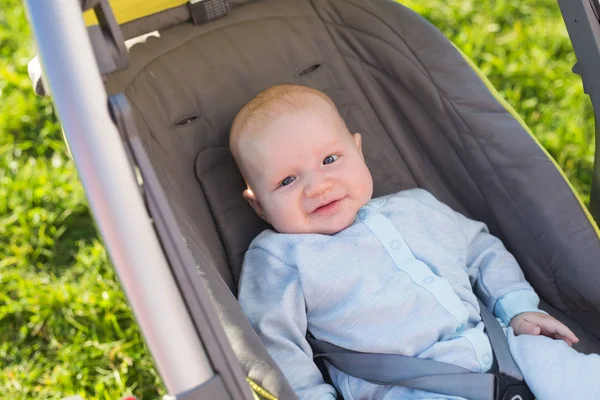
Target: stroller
[148,130]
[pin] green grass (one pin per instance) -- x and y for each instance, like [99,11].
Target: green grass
[65,327]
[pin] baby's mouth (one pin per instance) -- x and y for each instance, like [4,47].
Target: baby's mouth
[328,206]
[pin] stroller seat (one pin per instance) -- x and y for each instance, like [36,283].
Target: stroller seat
[427,120]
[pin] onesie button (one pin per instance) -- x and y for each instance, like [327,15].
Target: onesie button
[428,280]
[487,360]
[395,245]
[362,214]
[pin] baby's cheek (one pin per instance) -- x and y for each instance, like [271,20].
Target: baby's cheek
[365,184]
[284,217]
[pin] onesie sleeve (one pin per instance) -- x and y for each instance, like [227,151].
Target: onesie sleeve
[495,274]
[271,296]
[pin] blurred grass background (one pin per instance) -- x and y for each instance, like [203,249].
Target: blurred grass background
[65,327]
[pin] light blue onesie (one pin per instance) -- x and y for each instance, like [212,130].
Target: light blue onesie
[399,280]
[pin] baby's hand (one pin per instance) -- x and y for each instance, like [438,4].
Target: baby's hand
[536,323]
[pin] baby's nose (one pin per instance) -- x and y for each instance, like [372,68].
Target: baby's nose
[317,186]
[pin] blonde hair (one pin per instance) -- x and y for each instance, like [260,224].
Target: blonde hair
[270,104]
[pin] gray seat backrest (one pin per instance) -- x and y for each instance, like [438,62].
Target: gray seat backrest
[426,118]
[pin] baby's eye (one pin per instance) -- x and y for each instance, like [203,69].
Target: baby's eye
[330,159]
[288,180]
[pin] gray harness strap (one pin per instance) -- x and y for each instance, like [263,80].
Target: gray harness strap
[411,372]
[423,374]
[506,363]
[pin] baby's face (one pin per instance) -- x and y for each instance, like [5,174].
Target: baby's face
[306,173]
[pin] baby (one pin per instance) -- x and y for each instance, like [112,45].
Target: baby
[394,275]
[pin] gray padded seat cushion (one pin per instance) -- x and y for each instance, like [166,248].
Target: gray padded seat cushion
[426,118]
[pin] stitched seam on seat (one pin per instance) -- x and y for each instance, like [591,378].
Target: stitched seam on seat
[199,35]
[392,31]
[388,137]
[517,208]
[408,58]
[433,119]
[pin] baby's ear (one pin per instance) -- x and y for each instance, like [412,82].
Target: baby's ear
[357,141]
[251,198]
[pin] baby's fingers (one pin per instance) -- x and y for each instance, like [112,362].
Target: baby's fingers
[556,329]
[557,336]
[524,327]
[561,334]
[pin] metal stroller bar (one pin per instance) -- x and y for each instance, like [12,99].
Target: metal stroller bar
[80,99]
